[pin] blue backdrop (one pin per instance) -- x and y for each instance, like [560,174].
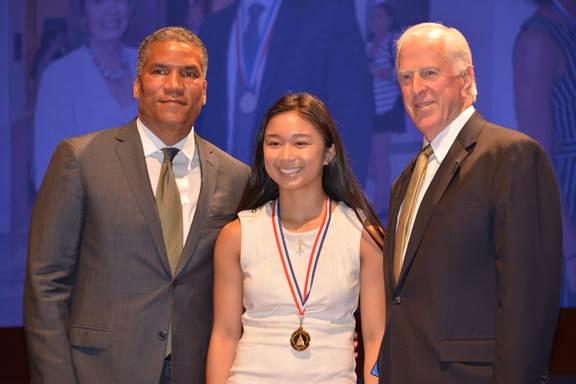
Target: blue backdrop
[63,81]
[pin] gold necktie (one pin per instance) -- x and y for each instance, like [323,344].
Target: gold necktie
[408,209]
[170,209]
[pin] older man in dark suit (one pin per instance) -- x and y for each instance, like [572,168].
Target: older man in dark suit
[474,234]
[119,275]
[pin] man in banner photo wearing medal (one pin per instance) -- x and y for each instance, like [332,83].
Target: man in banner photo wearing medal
[290,271]
[119,276]
[474,245]
[260,50]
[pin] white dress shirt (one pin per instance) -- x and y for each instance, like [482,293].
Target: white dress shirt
[186,165]
[440,146]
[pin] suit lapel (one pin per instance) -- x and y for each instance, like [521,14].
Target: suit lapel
[131,156]
[459,150]
[209,171]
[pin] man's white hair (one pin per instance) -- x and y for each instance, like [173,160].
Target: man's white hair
[454,41]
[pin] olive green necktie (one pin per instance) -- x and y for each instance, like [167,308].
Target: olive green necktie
[170,209]
[406,216]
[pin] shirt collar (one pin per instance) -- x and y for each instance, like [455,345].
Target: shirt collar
[442,143]
[268,6]
[152,144]
[245,4]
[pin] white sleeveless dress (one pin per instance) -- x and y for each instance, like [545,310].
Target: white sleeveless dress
[264,354]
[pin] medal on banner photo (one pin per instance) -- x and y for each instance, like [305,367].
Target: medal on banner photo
[248,102]
[300,339]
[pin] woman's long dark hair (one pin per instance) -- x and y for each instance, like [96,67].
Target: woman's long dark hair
[338,180]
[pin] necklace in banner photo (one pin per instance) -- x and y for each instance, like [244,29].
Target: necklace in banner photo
[300,339]
[111,74]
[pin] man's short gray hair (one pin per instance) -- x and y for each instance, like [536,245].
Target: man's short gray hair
[455,43]
[178,34]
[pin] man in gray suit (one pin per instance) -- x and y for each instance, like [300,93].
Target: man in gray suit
[119,275]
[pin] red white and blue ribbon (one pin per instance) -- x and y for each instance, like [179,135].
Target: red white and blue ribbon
[300,297]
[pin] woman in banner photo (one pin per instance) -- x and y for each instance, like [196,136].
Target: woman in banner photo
[90,88]
[388,106]
[545,90]
[292,269]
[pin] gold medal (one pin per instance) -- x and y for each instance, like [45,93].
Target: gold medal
[248,102]
[300,339]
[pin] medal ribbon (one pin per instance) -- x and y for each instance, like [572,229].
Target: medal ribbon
[299,298]
[248,75]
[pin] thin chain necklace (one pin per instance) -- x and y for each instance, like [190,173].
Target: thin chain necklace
[111,74]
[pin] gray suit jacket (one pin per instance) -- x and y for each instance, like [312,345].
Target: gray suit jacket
[478,295]
[99,295]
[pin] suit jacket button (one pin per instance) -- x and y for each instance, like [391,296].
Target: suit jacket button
[397,300]
[162,335]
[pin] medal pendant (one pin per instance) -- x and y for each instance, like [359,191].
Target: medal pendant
[300,339]
[248,102]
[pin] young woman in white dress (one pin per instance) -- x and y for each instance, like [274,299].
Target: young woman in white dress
[305,252]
